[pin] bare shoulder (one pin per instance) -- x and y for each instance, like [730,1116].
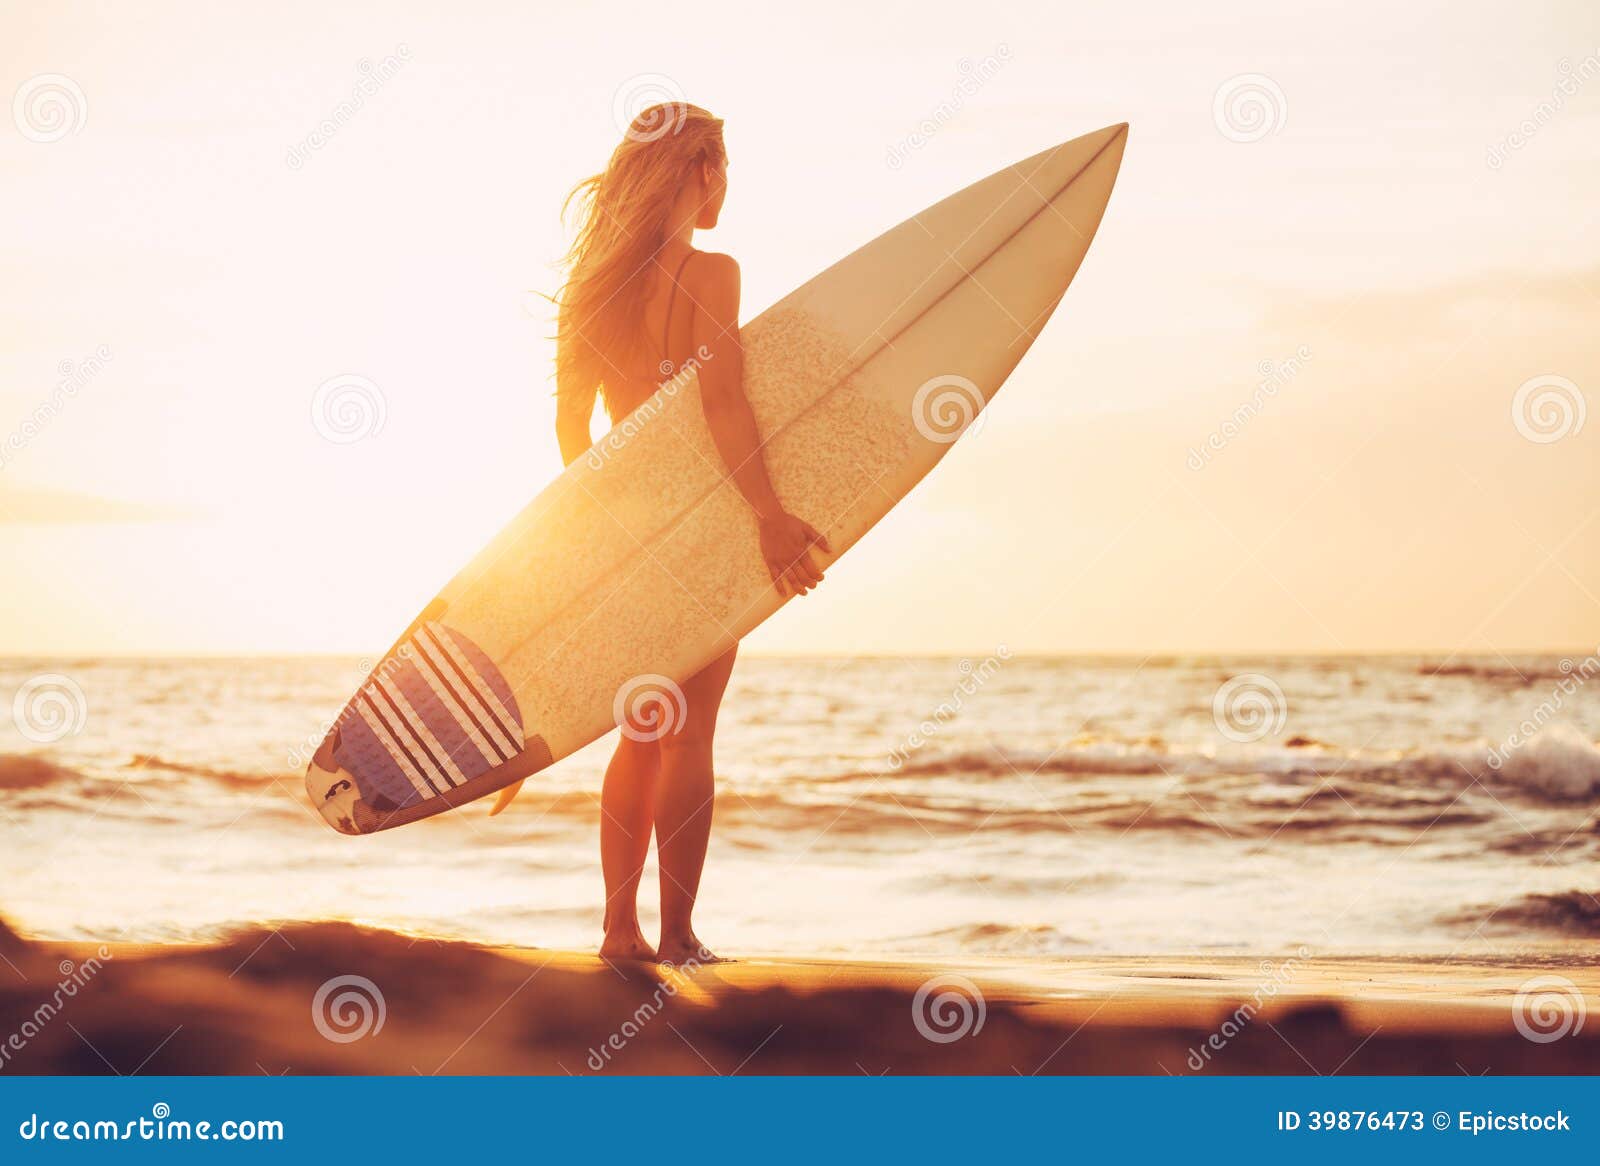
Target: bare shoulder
[713,272]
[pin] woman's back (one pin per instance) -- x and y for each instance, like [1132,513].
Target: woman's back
[667,337]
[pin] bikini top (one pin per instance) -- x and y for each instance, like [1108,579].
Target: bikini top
[668,367]
[626,394]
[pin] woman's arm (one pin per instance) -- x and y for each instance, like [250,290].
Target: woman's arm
[786,541]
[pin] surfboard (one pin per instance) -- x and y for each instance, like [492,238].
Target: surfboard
[641,564]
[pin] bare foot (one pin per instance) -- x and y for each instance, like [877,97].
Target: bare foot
[626,944]
[687,951]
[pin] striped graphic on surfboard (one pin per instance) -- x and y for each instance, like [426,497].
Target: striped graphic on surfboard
[433,716]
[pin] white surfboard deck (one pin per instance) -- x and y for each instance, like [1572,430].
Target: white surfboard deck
[641,564]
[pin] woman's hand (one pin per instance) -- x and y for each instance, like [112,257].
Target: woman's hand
[786,543]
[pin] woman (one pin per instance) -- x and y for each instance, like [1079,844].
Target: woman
[639,299]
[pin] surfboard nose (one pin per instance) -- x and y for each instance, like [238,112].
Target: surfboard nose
[1100,151]
[1112,135]
[1111,139]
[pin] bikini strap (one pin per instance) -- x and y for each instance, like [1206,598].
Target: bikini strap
[672,300]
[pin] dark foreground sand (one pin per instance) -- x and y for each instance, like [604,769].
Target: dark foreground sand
[251,1005]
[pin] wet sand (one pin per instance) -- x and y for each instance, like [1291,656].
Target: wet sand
[334,998]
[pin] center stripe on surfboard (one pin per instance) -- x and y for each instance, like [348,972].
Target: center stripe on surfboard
[464,702]
[415,773]
[406,736]
[466,720]
[420,730]
[458,672]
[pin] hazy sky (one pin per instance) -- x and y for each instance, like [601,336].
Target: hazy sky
[195,267]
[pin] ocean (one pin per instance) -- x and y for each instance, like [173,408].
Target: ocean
[1001,805]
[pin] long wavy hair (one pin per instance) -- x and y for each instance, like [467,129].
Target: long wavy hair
[623,214]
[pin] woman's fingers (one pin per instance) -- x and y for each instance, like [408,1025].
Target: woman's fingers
[794,581]
[794,571]
[787,545]
[805,572]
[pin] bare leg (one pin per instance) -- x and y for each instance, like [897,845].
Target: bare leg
[627,808]
[684,796]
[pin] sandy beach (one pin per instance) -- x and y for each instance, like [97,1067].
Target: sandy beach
[331,998]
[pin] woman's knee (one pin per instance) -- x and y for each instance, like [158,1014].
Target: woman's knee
[690,745]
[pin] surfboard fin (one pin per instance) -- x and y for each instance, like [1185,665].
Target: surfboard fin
[506,796]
